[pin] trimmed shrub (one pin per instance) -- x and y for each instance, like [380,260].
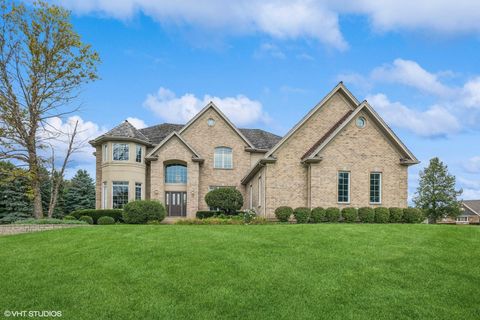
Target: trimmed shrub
[302,214]
[283,213]
[105,220]
[228,200]
[413,215]
[332,214]
[366,215]
[382,215]
[350,214]
[206,214]
[69,217]
[95,214]
[317,215]
[142,211]
[396,215]
[86,219]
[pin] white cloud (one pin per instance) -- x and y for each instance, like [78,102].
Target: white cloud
[240,109]
[275,18]
[436,121]
[472,165]
[268,50]
[137,123]
[471,93]
[410,73]
[57,134]
[471,188]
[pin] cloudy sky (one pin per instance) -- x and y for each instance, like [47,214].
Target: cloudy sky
[267,62]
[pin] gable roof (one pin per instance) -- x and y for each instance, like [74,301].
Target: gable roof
[472,205]
[338,127]
[126,131]
[340,87]
[211,105]
[196,155]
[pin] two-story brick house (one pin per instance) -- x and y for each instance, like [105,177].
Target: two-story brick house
[340,154]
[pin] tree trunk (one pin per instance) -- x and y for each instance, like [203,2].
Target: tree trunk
[37,199]
[432,220]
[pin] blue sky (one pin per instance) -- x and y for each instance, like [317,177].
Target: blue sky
[266,63]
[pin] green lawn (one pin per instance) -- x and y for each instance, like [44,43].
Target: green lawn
[329,271]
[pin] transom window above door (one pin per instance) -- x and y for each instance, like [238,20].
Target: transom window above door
[223,158]
[176,173]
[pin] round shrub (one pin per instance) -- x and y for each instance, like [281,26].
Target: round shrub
[332,214]
[97,213]
[382,215]
[317,215]
[228,200]
[105,220]
[87,219]
[68,217]
[366,215]
[302,214]
[142,211]
[396,215]
[349,214]
[413,215]
[283,213]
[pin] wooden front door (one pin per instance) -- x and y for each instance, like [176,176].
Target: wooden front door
[176,203]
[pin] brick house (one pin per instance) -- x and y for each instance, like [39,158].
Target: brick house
[469,213]
[340,154]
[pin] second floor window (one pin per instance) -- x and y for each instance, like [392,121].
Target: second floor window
[176,173]
[120,151]
[138,154]
[223,158]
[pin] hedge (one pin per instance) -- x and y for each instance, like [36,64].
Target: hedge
[317,215]
[206,214]
[349,214]
[142,211]
[382,215]
[97,213]
[283,213]
[105,220]
[302,214]
[366,215]
[87,219]
[228,200]
[413,215]
[396,215]
[332,214]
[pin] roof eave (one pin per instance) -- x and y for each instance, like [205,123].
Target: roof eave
[101,139]
[259,165]
[256,150]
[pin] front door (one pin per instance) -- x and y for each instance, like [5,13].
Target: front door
[176,203]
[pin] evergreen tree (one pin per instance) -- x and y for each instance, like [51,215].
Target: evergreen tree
[80,193]
[436,193]
[15,194]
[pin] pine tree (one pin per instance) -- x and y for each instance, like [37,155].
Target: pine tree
[15,195]
[80,193]
[436,193]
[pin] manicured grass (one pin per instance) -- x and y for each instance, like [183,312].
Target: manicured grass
[325,271]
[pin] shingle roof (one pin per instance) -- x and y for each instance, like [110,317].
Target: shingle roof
[473,204]
[157,133]
[125,130]
[261,139]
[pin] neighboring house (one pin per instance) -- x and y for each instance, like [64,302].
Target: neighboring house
[469,213]
[340,154]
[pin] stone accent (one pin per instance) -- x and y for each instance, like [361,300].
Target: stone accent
[24,228]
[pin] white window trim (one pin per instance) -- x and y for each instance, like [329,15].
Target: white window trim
[349,182]
[128,190]
[223,158]
[137,146]
[370,185]
[251,196]
[105,152]
[141,190]
[260,191]
[128,153]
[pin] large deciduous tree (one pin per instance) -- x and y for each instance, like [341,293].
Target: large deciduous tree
[43,64]
[436,193]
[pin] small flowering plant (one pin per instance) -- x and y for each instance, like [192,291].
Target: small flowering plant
[249,216]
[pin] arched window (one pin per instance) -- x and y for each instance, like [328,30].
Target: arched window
[223,158]
[176,173]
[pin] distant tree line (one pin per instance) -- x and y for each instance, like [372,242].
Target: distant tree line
[16,196]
